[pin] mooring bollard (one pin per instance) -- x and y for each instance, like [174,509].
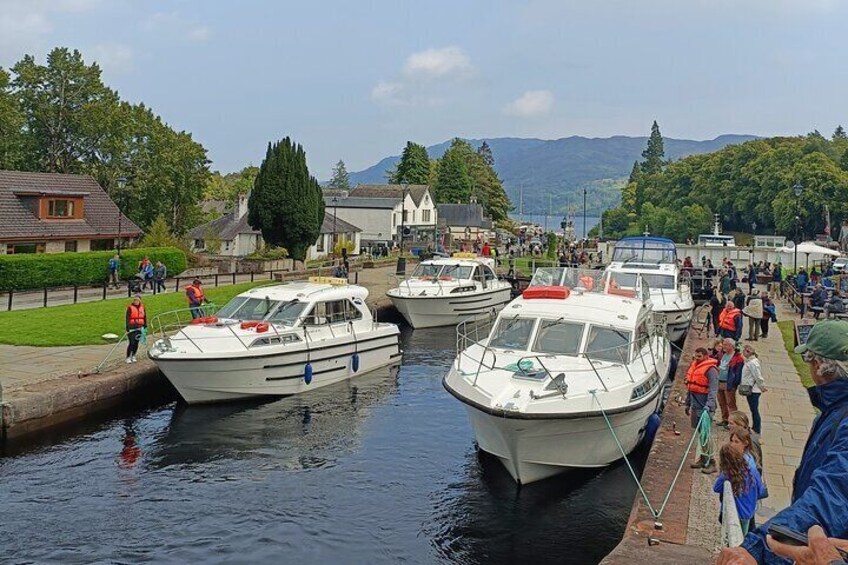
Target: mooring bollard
[45,297]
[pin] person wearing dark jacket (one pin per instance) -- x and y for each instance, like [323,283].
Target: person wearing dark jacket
[136,320]
[820,488]
[769,314]
[739,299]
[717,302]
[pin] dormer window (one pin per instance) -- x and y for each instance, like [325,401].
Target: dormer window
[60,208]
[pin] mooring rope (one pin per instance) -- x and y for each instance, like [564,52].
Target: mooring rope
[702,431]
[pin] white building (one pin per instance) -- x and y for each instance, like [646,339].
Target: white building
[381,210]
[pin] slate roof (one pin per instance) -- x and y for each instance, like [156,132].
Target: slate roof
[100,214]
[416,191]
[354,202]
[227,227]
[462,215]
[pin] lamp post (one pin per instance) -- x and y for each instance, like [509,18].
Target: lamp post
[753,240]
[798,191]
[333,242]
[401,262]
[585,233]
[122,183]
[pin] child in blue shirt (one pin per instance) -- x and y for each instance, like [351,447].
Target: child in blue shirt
[745,481]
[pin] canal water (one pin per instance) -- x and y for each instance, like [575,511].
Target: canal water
[382,469]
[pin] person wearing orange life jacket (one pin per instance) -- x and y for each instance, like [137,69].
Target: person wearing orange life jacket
[730,321]
[196,300]
[702,391]
[136,321]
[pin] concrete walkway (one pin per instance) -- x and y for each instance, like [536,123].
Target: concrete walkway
[787,416]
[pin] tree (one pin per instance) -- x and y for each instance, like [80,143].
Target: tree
[634,172]
[486,153]
[486,187]
[414,166]
[286,203]
[839,133]
[654,153]
[340,179]
[160,235]
[11,122]
[453,184]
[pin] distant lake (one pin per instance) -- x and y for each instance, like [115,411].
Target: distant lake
[553,222]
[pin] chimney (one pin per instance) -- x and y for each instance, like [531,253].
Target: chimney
[241,207]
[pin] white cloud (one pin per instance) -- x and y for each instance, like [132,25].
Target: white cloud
[387,92]
[531,104]
[199,34]
[113,57]
[436,63]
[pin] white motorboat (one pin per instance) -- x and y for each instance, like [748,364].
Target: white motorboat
[277,340]
[443,292]
[655,260]
[573,358]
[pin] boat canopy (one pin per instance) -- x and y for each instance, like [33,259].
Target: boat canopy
[645,250]
[547,279]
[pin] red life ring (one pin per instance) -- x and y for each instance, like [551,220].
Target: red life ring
[262,327]
[248,325]
[446,278]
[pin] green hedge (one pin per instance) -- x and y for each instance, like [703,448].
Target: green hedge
[18,272]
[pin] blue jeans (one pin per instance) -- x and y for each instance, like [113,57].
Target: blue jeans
[754,405]
[196,312]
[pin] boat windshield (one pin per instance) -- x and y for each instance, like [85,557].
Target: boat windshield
[247,308]
[427,270]
[512,333]
[661,282]
[288,313]
[457,271]
[608,344]
[644,250]
[558,337]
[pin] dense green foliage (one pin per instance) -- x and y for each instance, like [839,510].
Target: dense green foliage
[228,187]
[340,179]
[18,272]
[60,118]
[464,173]
[654,153]
[746,183]
[453,185]
[413,167]
[286,203]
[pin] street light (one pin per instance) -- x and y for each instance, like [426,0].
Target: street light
[585,233]
[122,183]
[753,239]
[798,191]
[333,242]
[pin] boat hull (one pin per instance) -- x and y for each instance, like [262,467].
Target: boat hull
[536,449]
[677,322]
[448,310]
[279,374]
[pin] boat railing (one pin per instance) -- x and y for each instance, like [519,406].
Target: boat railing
[442,289]
[650,349]
[624,284]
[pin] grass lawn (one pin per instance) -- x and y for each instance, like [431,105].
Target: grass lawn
[525,264]
[83,324]
[787,330]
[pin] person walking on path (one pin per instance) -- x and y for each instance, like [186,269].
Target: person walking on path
[702,390]
[752,277]
[820,489]
[114,270]
[729,376]
[752,385]
[196,299]
[159,275]
[717,302]
[730,321]
[754,312]
[769,315]
[136,322]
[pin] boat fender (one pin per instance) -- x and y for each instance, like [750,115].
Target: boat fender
[651,428]
[262,327]
[307,373]
[355,362]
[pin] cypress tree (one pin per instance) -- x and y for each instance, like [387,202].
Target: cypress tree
[286,203]
[414,165]
[654,152]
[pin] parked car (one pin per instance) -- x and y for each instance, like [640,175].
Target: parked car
[840,265]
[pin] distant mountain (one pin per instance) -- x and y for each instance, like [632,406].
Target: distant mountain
[562,168]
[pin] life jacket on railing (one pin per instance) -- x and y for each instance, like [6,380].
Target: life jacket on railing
[587,282]
[614,288]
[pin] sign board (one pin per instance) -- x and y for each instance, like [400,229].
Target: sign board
[802,331]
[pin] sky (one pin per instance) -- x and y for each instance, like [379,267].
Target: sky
[356,79]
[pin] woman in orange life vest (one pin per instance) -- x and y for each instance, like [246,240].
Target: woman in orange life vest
[730,321]
[136,319]
[702,386]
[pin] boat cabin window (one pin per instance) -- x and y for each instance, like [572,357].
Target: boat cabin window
[623,280]
[275,340]
[457,271]
[288,313]
[488,274]
[478,274]
[247,308]
[608,344]
[558,338]
[663,282]
[333,312]
[644,251]
[512,333]
[427,270]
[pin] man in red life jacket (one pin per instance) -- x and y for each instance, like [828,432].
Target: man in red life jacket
[136,320]
[702,386]
[196,299]
[730,321]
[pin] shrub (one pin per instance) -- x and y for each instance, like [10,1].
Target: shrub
[19,272]
[267,253]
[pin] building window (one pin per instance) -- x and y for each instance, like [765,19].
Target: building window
[320,245]
[199,244]
[60,209]
[71,246]
[413,216]
[226,246]
[102,244]
[406,216]
[25,247]
[425,216]
[394,220]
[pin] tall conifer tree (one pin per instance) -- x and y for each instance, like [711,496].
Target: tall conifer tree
[414,165]
[654,153]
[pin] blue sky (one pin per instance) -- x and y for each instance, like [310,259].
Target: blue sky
[356,79]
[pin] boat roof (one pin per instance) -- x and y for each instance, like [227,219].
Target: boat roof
[463,261]
[641,268]
[645,249]
[595,308]
[307,291]
[645,239]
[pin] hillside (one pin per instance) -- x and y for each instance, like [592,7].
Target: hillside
[563,167]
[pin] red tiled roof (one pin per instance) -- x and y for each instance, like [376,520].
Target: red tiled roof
[100,213]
